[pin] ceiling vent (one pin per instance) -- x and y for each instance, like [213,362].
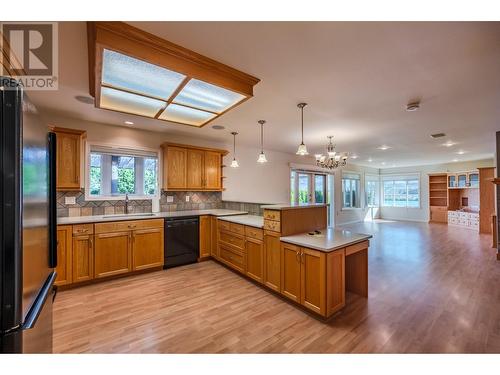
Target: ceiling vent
[412,107]
[438,135]
[218,127]
[85,99]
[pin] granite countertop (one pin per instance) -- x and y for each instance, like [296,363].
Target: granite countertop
[157,215]
[288,206]
[330,239]
[250,220]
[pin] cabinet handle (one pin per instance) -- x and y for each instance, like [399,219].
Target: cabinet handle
[297,256]
[302,256]
[91,243]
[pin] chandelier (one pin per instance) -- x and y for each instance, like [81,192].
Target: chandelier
[332,159]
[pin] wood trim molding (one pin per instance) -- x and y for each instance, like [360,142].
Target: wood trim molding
[167,144]
[57,129]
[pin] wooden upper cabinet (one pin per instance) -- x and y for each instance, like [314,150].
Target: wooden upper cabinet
[68,165]
[174,165]
[64,255]
[195,169]
[192,168]
[213,164]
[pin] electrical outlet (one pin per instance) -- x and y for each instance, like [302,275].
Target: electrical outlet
[187,198]
[170,198]
[69,200]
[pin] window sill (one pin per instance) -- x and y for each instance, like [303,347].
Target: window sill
[351,209]
[121,197]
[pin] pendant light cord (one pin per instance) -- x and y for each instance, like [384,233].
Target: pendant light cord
[302,116]
[234,144]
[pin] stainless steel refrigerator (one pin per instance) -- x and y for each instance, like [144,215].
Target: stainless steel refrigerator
[28,254]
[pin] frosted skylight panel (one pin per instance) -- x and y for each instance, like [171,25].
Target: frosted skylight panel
[186,115]
[209,97]
[132,74]
[130,103]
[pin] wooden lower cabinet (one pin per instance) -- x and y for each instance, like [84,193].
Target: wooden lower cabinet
[313,283]
[214,247]
[205,236]
[64,255]
[290,271]
[113,254]
[255,259]
[335,281]
[147,248]
[272,260]
[83,258]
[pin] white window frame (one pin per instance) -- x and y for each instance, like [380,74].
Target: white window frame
[360,192]
[401,177]
[117,197]
[373,178]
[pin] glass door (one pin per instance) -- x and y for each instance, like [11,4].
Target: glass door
[305,195]
[308,187]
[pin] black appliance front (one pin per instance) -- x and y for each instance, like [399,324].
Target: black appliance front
[182,244]
[26,262]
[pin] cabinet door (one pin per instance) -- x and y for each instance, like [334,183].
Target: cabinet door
[64,256]
[194,168]
[68,161]
[290,271]
[175,165]
[212,170]
[205,236]
[462,180]
[255,259]
[452,180]
[335,281]
[147,248]
[313,279]
[272,261]
[83,258]
[473,178]
[112,254]
[214,248]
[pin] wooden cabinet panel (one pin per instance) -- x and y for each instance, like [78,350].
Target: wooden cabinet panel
[312,275]
[64,255]
[255,259]
[175,168]
[225,225]
[83,258]
[232,258]
[82,229]
[213,170]
[147,248]
[112,254]
[290,271]
[272,215]
[194,168]
[486,199]
[272,261]
[252,232]
[214,248]
[275,226]
[68,147]
[438,214]
[232,239]
[335,281]
[237,228]
[205,236]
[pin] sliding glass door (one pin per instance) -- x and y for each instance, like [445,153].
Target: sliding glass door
[308,187]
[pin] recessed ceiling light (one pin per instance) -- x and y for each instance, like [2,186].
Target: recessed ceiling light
[412,107]
[129,123]
[384,147]
[354,156]
[383,163]
[438,135]
[454,160]
[218,127]
[370,160]
[449,144]
[461,152]
[84,99]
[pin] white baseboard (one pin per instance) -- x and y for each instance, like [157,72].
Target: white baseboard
[400,219]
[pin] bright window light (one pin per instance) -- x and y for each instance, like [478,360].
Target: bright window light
[205,96]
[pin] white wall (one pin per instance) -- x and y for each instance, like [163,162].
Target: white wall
[422,213]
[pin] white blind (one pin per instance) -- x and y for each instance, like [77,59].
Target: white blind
[122,151]
[352,176]
[400,177]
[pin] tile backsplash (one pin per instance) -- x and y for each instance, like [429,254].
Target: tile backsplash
[251,208]
[197,201]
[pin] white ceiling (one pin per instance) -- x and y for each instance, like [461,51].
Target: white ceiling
[356,77]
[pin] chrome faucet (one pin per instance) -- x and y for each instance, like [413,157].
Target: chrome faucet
[126,203]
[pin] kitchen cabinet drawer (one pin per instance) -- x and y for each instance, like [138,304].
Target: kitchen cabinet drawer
[223,224]
[120,226]
[233,259]
[232,239]
[272,215]
[254,233]
[237,228]
[275,226]
[82,229]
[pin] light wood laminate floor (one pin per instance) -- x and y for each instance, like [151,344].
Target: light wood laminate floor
[433,289]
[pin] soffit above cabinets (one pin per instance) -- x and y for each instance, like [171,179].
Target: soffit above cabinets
[135,72]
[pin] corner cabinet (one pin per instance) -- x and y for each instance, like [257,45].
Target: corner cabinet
[68,164]
[191,168]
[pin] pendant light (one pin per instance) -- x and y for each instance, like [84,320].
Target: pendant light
[302,150]
[262,157]
[234,163]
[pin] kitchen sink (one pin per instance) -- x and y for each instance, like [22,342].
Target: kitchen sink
[130,215]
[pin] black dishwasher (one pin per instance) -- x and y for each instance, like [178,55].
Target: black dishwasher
[182,244]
